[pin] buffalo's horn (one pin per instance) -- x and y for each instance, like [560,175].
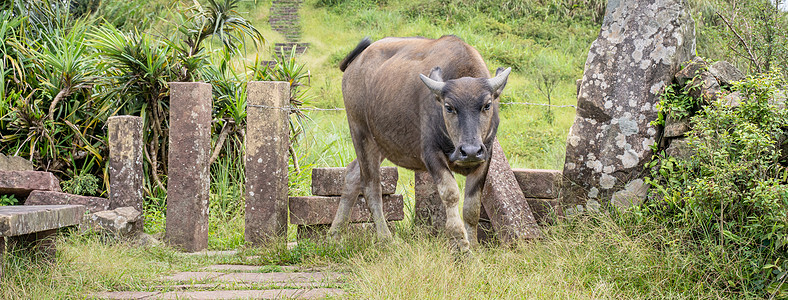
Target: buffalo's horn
[435,86]
[499,80]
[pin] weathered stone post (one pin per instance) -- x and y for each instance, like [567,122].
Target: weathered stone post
[125,162]
[429,207]
[267,140]
[641,45]
[189,179]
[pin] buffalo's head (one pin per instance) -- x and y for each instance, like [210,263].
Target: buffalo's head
[470,112]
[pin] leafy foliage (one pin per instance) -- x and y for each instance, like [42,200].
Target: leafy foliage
[84,184]
[730,197]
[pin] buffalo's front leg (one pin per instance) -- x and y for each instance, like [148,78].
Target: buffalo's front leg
[471,208]
[450,194]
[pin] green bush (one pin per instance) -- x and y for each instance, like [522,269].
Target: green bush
[83,184]
[730,198]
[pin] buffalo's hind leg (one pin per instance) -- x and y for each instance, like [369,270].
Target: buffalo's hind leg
[349,196]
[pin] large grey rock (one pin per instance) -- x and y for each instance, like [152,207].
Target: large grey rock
[21,183]
[121,222]
[92,204]
[725,72]
[640,47]
[15,163]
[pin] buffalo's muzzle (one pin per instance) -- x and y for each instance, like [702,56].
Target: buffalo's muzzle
[469,154]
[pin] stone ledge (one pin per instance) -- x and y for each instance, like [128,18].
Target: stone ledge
[18,220]
[92,204]
[21,183]
[315,210]
[331,181]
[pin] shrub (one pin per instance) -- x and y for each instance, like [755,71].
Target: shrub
[730,198]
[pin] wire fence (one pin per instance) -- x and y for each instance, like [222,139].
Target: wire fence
[302,108]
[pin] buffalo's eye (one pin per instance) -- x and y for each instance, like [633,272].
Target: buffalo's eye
[449,109]
[488,106]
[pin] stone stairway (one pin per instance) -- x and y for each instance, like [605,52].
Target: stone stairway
[241,282]
[283,18]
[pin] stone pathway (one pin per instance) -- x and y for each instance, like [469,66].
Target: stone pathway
[283,18]
[241,282]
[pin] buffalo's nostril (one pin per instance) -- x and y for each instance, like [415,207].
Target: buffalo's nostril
[480,153]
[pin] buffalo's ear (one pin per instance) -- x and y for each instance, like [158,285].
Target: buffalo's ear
[499,81]
[434,82]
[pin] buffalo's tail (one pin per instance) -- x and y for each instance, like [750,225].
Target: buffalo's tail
[352,55]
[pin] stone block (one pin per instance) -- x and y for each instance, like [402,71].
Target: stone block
[122,222]
[676,128]
[92,204]
[545,210]
[21,183]
[125,161]
[267,141]
[504,202]
[537,183]
[314,210]
[638,51]
[23,219]
[430,210]
[15,163]
[331,181]
[679,148]
[189,177]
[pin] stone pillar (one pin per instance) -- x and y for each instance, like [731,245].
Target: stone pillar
[189,179]
[640,46]
[125,162]
[430,210]
[267,140]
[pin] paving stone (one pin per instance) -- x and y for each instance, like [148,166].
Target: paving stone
[21,183]
[280,277]
[124,295]
[504,202]
[537,183]
[266,157]
[189,177]
[192,276]
[92,204]
[314,210]
[247,268]
[331,181]
[212,253]
[254,294]
[125,161]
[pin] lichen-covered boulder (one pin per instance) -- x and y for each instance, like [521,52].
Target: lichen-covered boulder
[640,47]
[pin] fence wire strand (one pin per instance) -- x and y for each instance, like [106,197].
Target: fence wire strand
[288,108]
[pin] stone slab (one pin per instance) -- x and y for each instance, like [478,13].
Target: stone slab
[267,141]
[277,277]
[189,178]
[331,181]
[536,183]
[124,295]
[321,210]
[319,293]
[248,268]
[192,276]
[504,202]
[21,183]
[18,220]
[430,210]
[125,161]
[92,204]
[15,163]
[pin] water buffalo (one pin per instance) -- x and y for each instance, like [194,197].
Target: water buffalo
[441,123]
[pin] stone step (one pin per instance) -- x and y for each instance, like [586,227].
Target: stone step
[318,293]
[314,210]
[92,204]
